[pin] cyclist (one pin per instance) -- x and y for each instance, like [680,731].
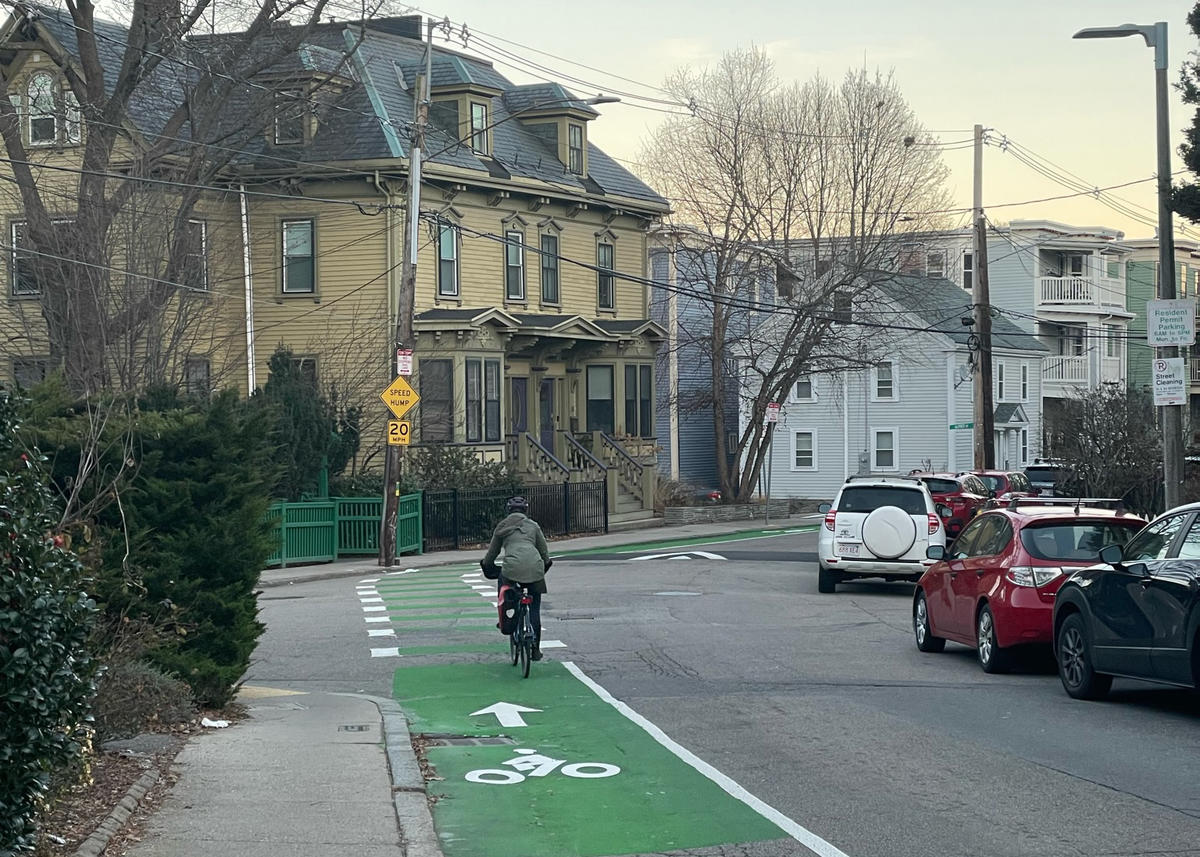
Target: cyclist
[526,560]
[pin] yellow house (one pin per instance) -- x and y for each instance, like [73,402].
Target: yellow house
[534,341]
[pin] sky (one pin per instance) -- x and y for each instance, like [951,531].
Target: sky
[1086,106]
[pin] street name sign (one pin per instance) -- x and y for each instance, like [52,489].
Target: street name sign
[1171,322]
[962,425]
[399,432]
[1170,382]
[400,397]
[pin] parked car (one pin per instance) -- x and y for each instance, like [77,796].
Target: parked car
[958,496]
[1006,484]
[994,587]
[1135,615]
[877,526]
[1047,477]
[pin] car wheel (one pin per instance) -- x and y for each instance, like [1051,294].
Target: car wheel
[1073,651]
[827,579]
[992,658]
[926,641]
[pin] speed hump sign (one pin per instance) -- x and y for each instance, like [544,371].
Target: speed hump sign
[399,432]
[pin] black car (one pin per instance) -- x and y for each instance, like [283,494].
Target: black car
[1138,614]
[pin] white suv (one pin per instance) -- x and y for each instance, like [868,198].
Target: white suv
[877,526]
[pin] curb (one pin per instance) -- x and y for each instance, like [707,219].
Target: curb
[95,844]
[409,798]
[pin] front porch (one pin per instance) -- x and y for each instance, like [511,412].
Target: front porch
[561,398]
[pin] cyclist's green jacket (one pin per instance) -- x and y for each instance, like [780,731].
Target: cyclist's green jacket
[525,551]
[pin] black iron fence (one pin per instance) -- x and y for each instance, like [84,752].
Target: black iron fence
[455,519]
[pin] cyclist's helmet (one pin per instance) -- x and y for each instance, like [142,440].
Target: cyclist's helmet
[518,504]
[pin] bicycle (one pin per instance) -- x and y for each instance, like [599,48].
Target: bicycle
[522,639]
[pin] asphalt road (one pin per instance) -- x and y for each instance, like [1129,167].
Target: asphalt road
[821,706]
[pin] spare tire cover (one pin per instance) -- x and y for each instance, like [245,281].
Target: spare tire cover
[889,532]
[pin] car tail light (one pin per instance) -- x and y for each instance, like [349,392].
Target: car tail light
[830,520]
[1025,575]
[934,523]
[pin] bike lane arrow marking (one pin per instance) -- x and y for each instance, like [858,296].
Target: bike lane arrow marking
[507,713]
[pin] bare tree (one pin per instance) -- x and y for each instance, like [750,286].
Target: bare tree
[789,202]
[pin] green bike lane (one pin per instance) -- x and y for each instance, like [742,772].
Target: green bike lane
[568,771]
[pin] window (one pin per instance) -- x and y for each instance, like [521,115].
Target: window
[479,127]
[1189,548]
[447,260]
[803,391]
[884,449]
[605,297]
[514,265]
[289,117]
[1024,447]
[1154,541]
[306,367]
[22,273]
[73,132]
[639,393]
[197,377]
[483,401]
[436,379]
[43,109]
[912,260]
[1000,382]
[28,372]
[195,266]
[575,149]
[1075,266]
[862,498]
[600,399]
[884,387]
[841,307]
[1024,382]
[550,269]
[935,263]
[1112,334]
[968,271]
[804,450]
[298,261]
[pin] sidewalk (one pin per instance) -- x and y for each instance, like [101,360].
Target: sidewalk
[559,547]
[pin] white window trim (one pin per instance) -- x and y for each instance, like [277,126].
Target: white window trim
[55,110]
[792,460]
[1023,444]
[1024,381]
[203,254]
[929,254]
[875,397]
[895,432]
[1001,382]
[511,235]
[812,381]
[312,254]
[440,292]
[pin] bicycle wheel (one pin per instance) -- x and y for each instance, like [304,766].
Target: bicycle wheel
[526,644]
[512,647]
[514,639]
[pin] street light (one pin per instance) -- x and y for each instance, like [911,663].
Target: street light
[1156,37]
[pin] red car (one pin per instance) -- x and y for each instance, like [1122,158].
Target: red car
[994,587]
[1005,484]
[958,497]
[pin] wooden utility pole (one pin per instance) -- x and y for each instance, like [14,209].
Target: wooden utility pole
[405,338]
[985,451]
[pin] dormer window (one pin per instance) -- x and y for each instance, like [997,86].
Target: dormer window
[289,117]
[575,149]
[479,127]
[53,111]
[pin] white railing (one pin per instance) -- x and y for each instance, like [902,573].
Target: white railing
[1066,370]
[1194,371]
[1081,291]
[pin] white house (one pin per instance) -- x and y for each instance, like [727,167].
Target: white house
[913,409]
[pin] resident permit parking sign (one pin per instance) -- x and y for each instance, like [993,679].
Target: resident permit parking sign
[1170,382]
[1171,322]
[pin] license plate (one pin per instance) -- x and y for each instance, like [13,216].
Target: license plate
[847,550]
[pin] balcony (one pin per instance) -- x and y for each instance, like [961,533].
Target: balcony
[1065,375]
[1069,371]
[1081,294]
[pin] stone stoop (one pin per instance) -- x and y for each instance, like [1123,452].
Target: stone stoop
[638,519]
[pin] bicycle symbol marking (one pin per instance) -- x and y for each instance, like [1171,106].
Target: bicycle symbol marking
[534,764]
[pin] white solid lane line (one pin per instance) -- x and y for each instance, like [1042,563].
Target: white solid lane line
[797,831]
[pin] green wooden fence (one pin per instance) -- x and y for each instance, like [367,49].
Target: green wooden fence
[325,530]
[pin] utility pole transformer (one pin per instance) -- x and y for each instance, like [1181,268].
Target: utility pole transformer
[405,338]
[984,413]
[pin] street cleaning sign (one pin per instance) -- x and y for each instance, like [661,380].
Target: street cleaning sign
[1171,322]
[1170,382]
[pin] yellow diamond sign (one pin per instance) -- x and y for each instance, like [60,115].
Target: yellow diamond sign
[399,397]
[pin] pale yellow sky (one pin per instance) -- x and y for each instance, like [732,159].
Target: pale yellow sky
[1087,106]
